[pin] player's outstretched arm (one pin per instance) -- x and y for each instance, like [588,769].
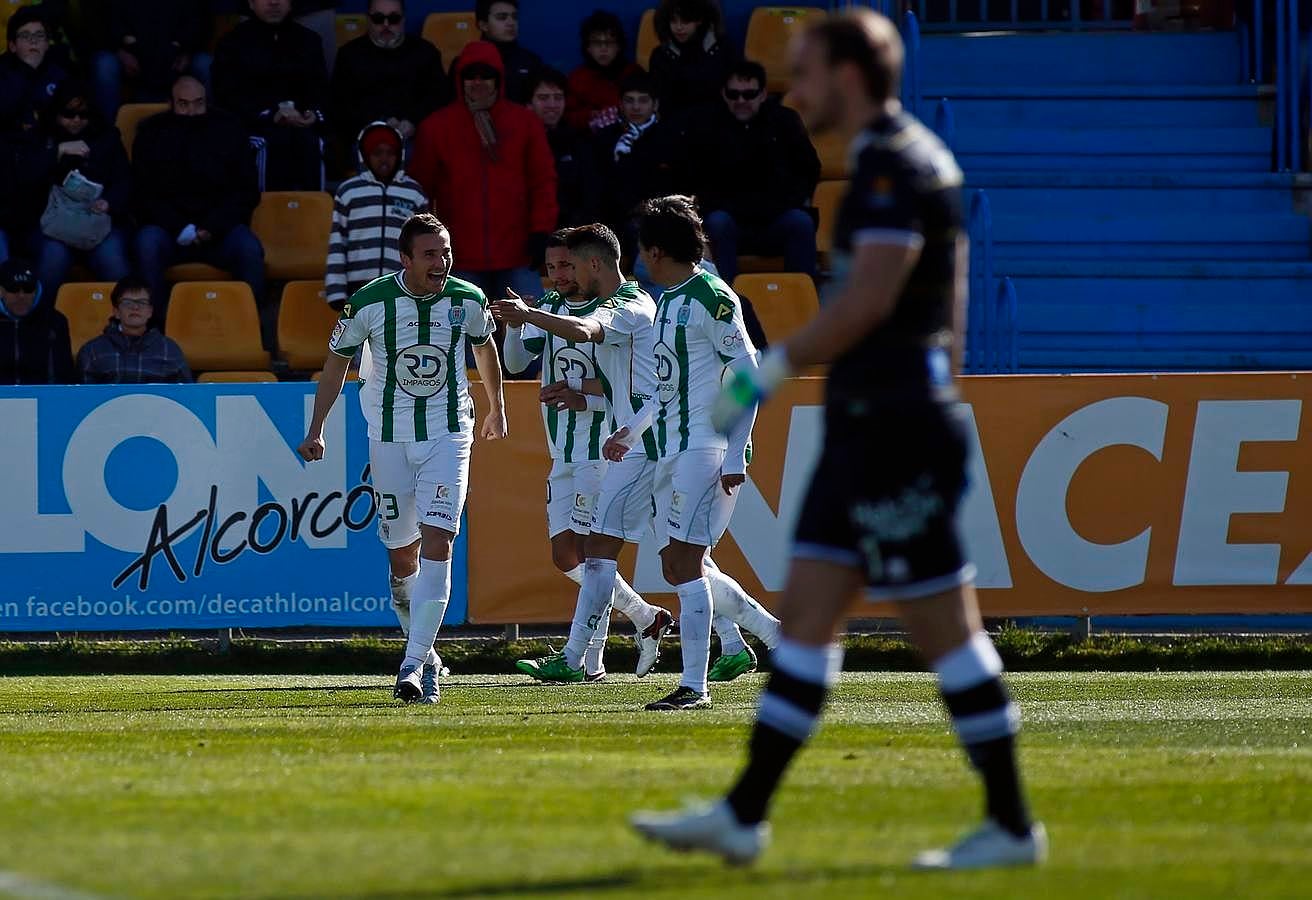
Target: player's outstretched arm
[488,363]
[514,311]
[330,385]
[518,356]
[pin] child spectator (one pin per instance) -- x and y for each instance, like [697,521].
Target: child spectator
[498,22]
[130,351]
[692,60]
[635,157]
[28,73]
[368,213]
[34,343]
[594,87]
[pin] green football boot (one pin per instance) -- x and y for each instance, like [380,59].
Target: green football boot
[727,668]
[551,668]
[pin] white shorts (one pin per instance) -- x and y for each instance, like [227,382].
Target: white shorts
[624,505]
[572,490]
[419,482]
[691,506]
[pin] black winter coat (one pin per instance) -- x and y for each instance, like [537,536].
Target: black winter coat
[35,349]
[648,170]
[756,169]
[577,184]
[163,29]
[24,91]
[371,84]
[41,167]
[257,66]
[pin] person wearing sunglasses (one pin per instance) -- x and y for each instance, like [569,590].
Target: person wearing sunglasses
[80,182]
[386,75]
[756,172]
[130,351]
[29,72]
[34,342]
[150,42]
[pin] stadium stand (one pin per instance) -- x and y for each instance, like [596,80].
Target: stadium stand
[449,32]
[648,39]
[217,326]
[768,32]
[305,322]
[130,115]
[783,302]
[349,26]
[86,306]
[293,226]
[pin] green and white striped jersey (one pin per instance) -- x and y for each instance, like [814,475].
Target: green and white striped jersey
[626,357]
[571,436]
[416,388]
[699,331]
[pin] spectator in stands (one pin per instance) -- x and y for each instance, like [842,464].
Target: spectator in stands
[195,192]
[756,171]
[576,181]
[28,72]
[635,157]
[130,351]
[368,213]
[594,87]
[34,344]
[498,22]
[692,60]
[151,43]
[77,172]
[487,166]
[269,70]
[386,75]
[11,220]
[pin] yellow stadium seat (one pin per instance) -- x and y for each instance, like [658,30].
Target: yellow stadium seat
[195,271]
[828,194]
[449,32]
[783,302]
[305,323]
[648,39]
[217,325]
[768,32]
[131,115]
[350,26]
[748,263]
[86,306]
[293,226]
[236,377]
[351,375]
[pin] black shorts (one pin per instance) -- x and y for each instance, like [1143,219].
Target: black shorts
[884,500]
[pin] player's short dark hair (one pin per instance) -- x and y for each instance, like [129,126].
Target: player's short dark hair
[419,223]
[594,240]
[673,225]
[547,75]
[746,70]
[867,40]
[559,238]
[483,8]
[639,81]
[128,284]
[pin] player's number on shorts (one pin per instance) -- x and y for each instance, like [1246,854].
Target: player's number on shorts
[387,508]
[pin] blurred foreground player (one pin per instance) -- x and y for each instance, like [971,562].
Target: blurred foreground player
[880,512]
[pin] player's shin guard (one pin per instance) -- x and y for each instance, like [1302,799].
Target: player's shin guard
[402,588]
[592,657]
[986,722]
[731,639]
[594,598]
[695,607]
[739,606]
[790,706]
[429,597]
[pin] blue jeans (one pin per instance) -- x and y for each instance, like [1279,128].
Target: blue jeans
[240,253]
[524,282]
[108,259]
[791,234]
[107,82]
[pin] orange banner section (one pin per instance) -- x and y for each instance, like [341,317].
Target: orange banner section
[1090,495]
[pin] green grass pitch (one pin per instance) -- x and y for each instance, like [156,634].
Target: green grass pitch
[1161,786]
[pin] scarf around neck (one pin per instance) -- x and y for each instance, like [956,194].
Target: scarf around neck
[630,137]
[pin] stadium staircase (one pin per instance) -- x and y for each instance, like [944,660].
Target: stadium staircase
[1123,186]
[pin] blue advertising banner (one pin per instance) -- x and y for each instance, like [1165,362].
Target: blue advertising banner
[187,506]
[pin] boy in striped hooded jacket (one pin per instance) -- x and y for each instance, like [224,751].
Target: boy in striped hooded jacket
[368,212]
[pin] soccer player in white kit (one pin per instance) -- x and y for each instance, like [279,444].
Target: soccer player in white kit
[576,419]
[416,324]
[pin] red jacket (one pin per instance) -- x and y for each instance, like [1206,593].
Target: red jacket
[490,206]
[593,95]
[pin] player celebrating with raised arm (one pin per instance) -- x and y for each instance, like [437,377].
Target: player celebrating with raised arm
[881,508]
[576,418]
[619,324]
[415,397]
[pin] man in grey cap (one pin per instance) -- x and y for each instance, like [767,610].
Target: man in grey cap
[34,345]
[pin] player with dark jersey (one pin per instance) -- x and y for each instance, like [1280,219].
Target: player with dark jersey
[880,514]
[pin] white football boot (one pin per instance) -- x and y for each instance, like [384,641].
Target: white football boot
[989,846]
[712,828]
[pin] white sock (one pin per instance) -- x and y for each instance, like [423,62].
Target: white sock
[592,662]
[594,598]
[401,591]
[736,604]
[635,609]
[731,639]
[695,610]
[428,601]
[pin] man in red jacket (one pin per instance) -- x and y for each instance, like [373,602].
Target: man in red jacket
[488,168]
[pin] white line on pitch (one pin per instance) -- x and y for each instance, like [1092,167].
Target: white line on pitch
[13,884]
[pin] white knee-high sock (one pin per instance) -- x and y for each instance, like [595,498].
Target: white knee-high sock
[592,662]
[428,602]
[401,591]
[594,598]
[695,611]
[736,604]
[731,639]
[635,609]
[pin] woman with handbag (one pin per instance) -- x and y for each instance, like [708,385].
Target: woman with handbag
[80,163]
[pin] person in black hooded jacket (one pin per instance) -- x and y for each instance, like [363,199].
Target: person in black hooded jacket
[29,71]
[34,342]
[692,60]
